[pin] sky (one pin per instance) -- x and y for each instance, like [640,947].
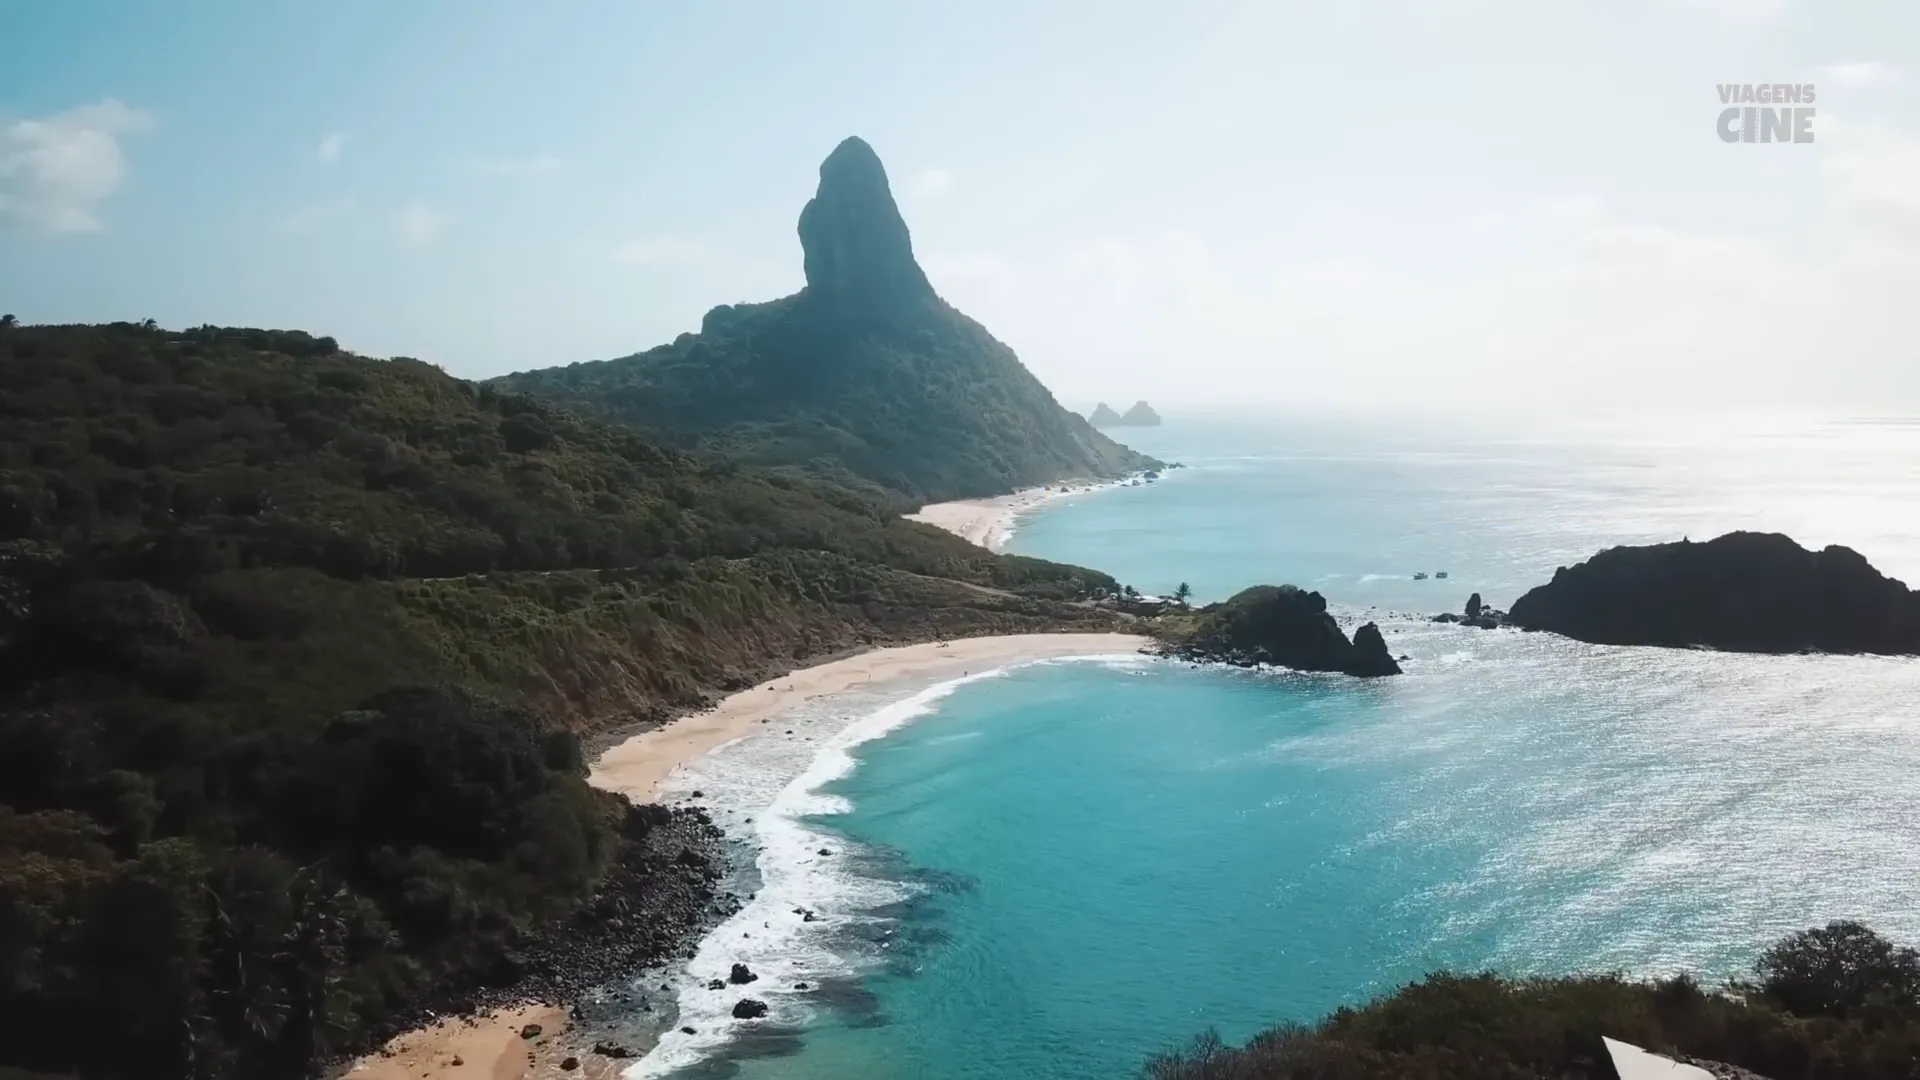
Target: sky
[1489,208]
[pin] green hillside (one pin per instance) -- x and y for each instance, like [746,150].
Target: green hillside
[296,650]
[864,375]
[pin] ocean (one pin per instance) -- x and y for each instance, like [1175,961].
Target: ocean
[1056,870]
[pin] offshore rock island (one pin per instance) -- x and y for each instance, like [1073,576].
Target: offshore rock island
[866,376]
[1280,625]
[1742,592]
[1141,415]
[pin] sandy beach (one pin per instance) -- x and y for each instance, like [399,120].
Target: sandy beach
[483,1048]
[636,767]
[490,1047]
[985,521]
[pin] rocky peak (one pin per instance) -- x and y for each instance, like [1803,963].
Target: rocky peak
[859,256]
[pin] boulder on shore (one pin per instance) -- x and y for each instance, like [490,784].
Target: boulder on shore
[1743,592]
[1277,624]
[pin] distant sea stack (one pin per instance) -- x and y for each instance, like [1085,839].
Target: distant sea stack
[865,376]
[1141,415]
[1742,592]
[1276,624]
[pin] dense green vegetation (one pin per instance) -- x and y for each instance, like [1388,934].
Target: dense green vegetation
[1833,1003]
[296,648]
[866,376]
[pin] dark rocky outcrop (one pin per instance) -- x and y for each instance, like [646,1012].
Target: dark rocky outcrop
[858,255]
[1370,656]
[741,975]
[749,1009]
[864,375]
[1277,624]
[1482,615]
[1745,592]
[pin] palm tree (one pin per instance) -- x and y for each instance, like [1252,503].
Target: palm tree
[7,322]
[1182,594]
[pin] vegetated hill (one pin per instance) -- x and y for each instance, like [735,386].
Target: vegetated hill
[1275,624]
[865,373]
[294,650]
[1745,591]
[1834,1002]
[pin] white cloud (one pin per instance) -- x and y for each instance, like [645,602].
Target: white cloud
[1566,300]
[420,224]
[56,170]
[533,165]
[1873,178]
[316,216]
[1859,73]
[331,147]
[932,181]
[968,264]
[659,251]
[1739,9]
[1116,262]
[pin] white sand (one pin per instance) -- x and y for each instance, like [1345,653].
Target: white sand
[490,1047]
[986,522]
[485,1047]
[636,767]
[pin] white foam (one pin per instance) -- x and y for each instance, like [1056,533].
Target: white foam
[1004,534]
[763,788]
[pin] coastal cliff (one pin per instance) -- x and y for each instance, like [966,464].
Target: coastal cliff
[1276,624]
[1742,592]
[866,376]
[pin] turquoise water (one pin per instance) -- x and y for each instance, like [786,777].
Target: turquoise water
[1057,870]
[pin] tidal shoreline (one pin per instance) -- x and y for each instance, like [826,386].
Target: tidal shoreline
[989,522]
[489,1047]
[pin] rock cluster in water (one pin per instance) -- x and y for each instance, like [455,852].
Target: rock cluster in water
[1745,592]
[1475,613]
[1280,625]
[1141,415]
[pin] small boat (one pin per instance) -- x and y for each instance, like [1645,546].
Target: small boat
[1439,575]
[1420,575]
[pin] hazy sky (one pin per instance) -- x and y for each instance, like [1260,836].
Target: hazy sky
[1503,203]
